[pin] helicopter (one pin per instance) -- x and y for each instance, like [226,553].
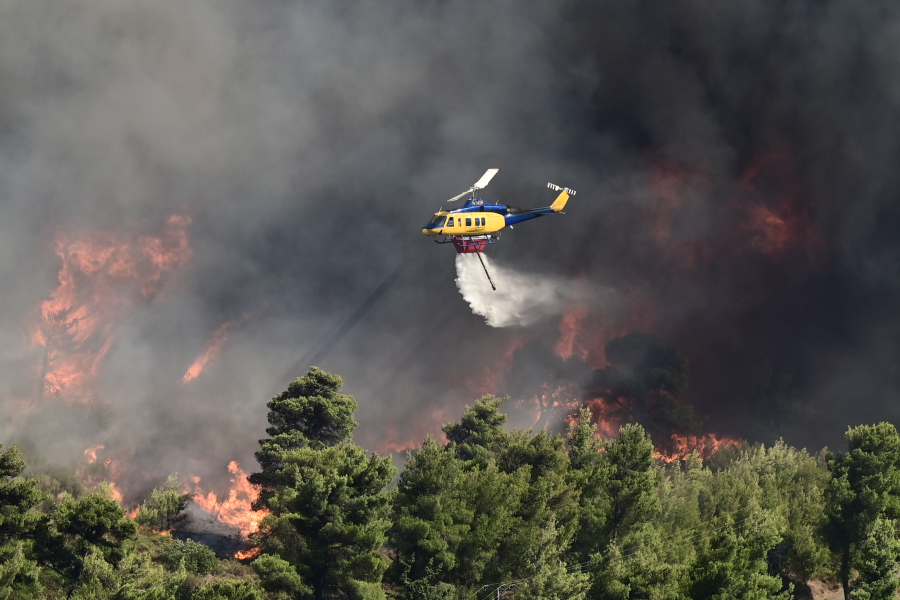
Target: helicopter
[471,228]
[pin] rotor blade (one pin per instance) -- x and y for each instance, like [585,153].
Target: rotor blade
[485,179]
[559,188]
[455,198]
[481,183]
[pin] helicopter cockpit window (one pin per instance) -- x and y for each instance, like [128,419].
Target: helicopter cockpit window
[450,222]
[437,221]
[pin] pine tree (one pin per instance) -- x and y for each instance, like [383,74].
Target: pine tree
[632,480]
[589,471]
[81,532]
[489,506]
[479,435]
[431,515]
[162,508]
[641,564]
[19,571]
[326,500]
[549,576]
[863,504]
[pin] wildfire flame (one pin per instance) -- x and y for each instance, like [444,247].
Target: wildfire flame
[602,414]
[682,446]
[248,554]
[91,453]
[116,494]
[765,211]
[97,473]
[236,510]
[569,327]
[213,348]
[100,277]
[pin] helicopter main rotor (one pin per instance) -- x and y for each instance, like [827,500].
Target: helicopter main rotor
[480,184]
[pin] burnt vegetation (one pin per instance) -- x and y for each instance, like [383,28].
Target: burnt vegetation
[485,511]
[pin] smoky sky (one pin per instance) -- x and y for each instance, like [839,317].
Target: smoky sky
[736,169]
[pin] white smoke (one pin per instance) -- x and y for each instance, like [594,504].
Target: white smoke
[521,298]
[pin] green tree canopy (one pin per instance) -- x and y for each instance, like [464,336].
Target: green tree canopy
[314,406]
[19,573]
[480,433]
[163,507]
[863,508]
[326,499]
[93,525]
[17,497]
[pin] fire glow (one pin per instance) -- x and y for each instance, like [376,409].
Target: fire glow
[91,453]
[100,278]
[766,211]
[213,348]
[607,424]
[682,446]
[97,472]
[569,328]
[237,509]
[770,194]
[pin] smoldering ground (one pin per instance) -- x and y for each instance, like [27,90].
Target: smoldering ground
[735,167]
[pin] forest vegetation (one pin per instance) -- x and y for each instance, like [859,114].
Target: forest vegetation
[489,512]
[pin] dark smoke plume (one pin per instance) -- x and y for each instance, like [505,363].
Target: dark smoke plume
[736,168]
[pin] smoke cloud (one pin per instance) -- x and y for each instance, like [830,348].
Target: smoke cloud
[737,189]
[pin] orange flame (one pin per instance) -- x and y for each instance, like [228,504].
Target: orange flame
[98,280]
[97,473]
[569,328]
[213,348]
[603,417]
[116,494]
[236,510]
[682,446]
[248,554]
[766,203]
[91,453]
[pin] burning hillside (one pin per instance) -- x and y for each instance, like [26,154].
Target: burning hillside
[167,172]
[106,279]
[101,277]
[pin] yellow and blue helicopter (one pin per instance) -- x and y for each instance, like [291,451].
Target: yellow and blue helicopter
[471,228]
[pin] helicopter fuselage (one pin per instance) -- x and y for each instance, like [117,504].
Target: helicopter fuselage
[478,218]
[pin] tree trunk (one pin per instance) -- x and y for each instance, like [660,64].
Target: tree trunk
[320,586]
[418,568]
[845,573]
